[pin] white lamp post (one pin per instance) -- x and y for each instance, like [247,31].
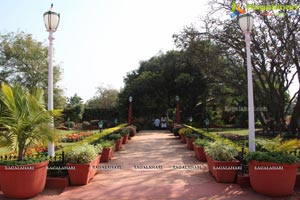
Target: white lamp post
[51,20]
[246,24]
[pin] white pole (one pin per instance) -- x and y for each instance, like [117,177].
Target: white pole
[51,151]
[250,95]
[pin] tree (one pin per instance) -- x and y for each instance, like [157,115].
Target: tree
[106,98]
[74,109]
[24,61]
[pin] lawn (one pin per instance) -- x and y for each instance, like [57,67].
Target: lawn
[234,131]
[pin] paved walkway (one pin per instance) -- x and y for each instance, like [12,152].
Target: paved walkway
[160,150]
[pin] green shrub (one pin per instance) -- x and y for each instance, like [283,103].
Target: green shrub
[276,157]
[192,135]
[115,136]
[85,125]
[220,152]
[202,142]
[185,131]
[72,124]
[125,131]
[98,148]
[81,154]
[107,143]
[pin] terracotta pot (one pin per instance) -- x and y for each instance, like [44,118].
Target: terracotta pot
[57,182]
[200,153]
[189,143]
[106,154]
[272,179]
[225,171]
[81,174]
[243,180]
[210,164]
[26,183]
[125,139]
[118,144]
[183,139]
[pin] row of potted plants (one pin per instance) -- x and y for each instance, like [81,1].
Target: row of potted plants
[272,172]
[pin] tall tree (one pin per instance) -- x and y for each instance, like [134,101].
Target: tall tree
[106,97]
[24,61]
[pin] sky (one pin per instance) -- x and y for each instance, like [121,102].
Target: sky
[99,41]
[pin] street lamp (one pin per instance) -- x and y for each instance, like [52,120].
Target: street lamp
[246,23]
[51,20]
[130,99]
[177,110]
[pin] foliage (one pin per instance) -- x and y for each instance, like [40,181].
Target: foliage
[24,119]
[107,143]
[82,154]
[185,131]
[125,131]
[85,125]
[70,123]
[278,145]
[202,142]
[22,162]
[220,152]
[100,114]
[192,135]
[24,61]
[276,157]
[98,148]
[156,83]
[106,98]
[114,137]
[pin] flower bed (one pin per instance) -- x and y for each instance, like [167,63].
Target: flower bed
[75,137]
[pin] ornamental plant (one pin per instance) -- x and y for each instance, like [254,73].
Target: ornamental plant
[185,131]
[115,136]
[192,135]
[275,157]
[202,142]
[107,143]
[82,154]
[24,120]
[125,131]
[220,152]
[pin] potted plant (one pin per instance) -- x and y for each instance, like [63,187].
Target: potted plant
[24,121]
[82,162]
[132,131]
[222,162]
[184,131]
[117,138]
[107,151]
[125,134]
[175,130]
[274,166]
[199,145]
[190,139]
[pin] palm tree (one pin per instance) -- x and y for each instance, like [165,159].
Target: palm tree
[24,121]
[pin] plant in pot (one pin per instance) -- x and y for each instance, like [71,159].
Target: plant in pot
[125,134]
[117,138]
[199,146]
[183,132]
[82,162]
[132,131]
[190,139]
[274,171]
[24,122]
[107,151]
[221,161]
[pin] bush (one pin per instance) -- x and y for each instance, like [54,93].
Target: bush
[85,125]
[202,142]
[81,154]
[276,157]
[98,148]
[107,143]
[114,137]
[192,135]
[185,131]
[125,131]
[72,124]
[220,152]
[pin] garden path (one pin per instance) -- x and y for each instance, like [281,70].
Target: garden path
[160,150]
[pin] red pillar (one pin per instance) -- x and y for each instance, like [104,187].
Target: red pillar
[130,113]
[178,113]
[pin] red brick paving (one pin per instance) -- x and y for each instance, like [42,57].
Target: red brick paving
[155,149]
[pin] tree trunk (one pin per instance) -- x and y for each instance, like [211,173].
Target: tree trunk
[293,127]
